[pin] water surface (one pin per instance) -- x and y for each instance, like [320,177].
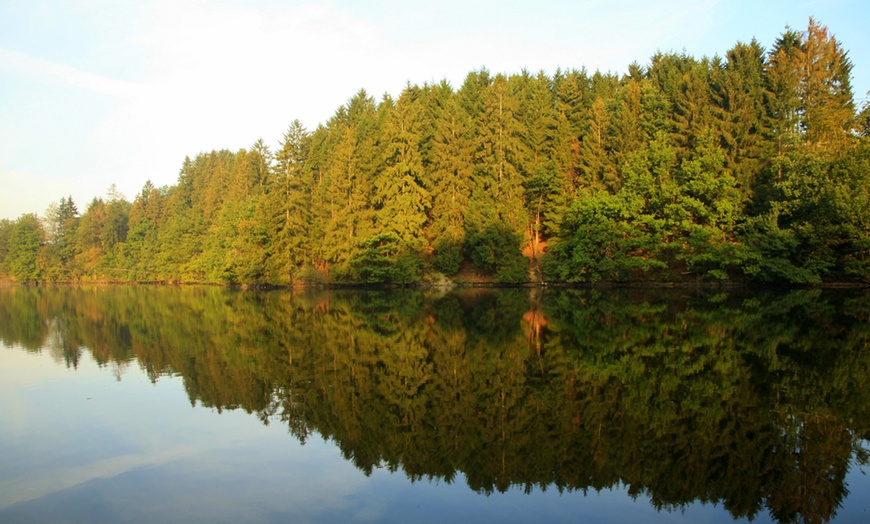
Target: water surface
[198,404]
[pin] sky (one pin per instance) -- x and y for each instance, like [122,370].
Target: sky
[100,92]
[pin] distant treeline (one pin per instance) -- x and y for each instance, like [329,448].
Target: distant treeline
[752,166]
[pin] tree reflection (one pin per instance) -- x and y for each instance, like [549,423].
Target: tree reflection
[755,401]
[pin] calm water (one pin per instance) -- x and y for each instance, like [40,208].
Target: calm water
[195,404]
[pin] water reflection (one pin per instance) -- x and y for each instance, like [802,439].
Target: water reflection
[754,401]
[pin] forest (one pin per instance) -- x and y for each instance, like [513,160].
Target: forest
[750,167]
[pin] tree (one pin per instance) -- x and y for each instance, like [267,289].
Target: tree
[6,226]
[401,198]
[117,220]
[346,181]
[684,82]
[809,78]
[56,256]
[604,237]
[825,90]
[542,156]
[25,238]
[782,78]
[496,249]
[289,204]
[744,125]
[90,237]
[703,212]
[448,160]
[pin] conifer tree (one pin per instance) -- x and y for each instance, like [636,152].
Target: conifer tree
[401,198]
[289,205]
[782,86]
[347,181]
[825,90]
[449,166]
[744,125]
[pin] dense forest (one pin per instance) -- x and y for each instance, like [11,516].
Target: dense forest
[752,400]
[754,166]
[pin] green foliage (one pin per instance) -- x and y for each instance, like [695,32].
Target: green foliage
[382,261]
[25,236]
[604,237]
[448,257]
[497,249]
[6,226]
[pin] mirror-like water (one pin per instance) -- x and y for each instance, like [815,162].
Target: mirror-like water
[167,404]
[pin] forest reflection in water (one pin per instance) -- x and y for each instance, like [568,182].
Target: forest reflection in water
[755,401]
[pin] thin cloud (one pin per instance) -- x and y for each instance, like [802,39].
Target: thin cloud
[19,63]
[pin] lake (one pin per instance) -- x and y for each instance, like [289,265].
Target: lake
[206,404]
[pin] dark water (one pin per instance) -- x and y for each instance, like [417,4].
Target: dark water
[197,404]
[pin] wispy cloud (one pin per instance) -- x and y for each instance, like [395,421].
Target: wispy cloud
[19,63]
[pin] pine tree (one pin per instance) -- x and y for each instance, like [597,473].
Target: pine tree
[448,160]
[401,199]
[59,223]
[744,125]
[347,181]
[825,90]
[782,77]
[289,205]
[543,156]
[6,226]
[496,190]
[684,82]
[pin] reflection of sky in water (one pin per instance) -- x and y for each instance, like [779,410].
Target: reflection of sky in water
[80,445]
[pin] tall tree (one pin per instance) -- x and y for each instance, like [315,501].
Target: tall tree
[448,160]
[289,203]
[743,123]
[825,90]
[61,224]
[543,156]
[401,198]
[783,78]
[347,181]
[6,226]
[684,82]
[90,238]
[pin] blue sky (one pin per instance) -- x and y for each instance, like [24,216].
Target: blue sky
[100,92]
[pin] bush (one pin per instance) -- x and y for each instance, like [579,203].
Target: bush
[448,257]
[497,249]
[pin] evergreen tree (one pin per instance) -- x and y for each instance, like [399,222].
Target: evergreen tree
[289,205]
[347,182]
[783,78]
[90,238]
[146,216]
[543,157]
[61,223]
[742,121]
[449,164]
[401,199]
[825,90]
[496,188]
[684,82]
